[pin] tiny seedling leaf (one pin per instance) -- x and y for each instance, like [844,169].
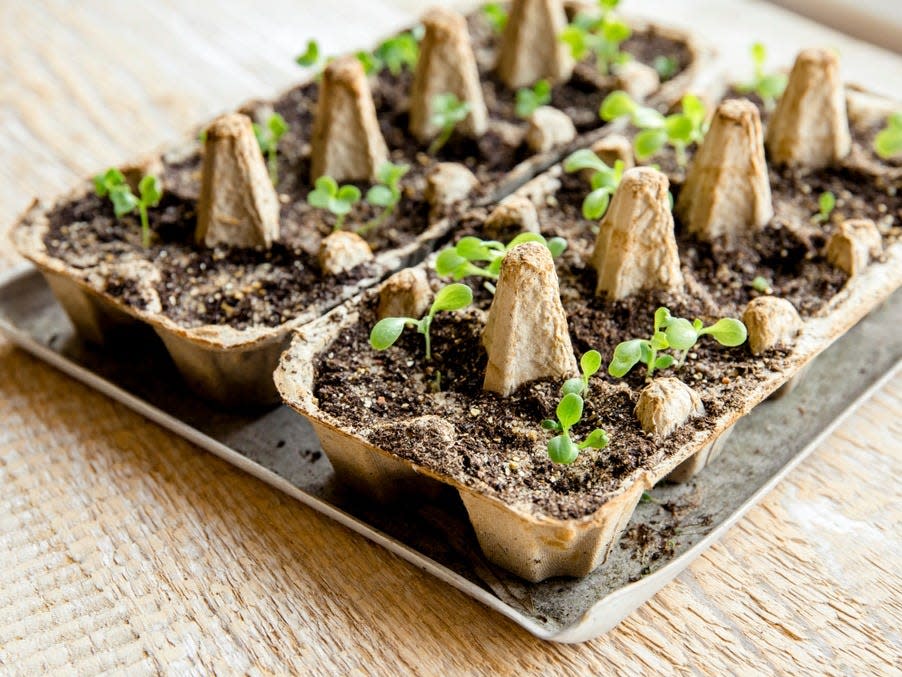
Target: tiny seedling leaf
[556,246]
[380,196]
[663,361]
[123,200]
[647,118]
[679,128]
[584,159]
[529,99]
[570,410]
[453,297]
[573,385]
[662,318]
[150,191]
[548,424]
[386,331]
[562,450]
[523,238]
[888,142]
[349,194]
[681,335]
[310,55]
[597,439]
[448,262]
[626,356]
[496,15]
[648,142]
[616,105]
[659,341]
[590,363]
[727,332]
[596,204]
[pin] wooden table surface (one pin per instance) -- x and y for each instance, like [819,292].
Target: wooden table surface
[125,548]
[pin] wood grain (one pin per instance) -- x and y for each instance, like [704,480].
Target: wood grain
[124,548]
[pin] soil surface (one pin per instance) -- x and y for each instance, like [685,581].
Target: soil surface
[246,287]
[499,446]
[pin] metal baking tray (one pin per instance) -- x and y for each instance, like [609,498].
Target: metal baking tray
[667,532]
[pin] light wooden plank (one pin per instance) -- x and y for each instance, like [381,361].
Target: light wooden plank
[124,548]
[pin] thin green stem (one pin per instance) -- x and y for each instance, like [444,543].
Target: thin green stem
[375,223]
[272,162]
[441,139]
[339,222]
[424,327]
[145,225]
[651,361]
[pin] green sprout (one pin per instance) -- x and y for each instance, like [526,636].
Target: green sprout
[268,137]
[678,129]
[496,15]
[530,98]
[450,298]
[112,184]
[386,193]
[339,200]
[447,112]
[600,35]
[666,66]
[369,62]
[762,286]
[563,448]
[397,53]
[769,86]
[604,181]
[825,203]
[672,333]
[888,142]
[589,364]
[310,56]
[461,260]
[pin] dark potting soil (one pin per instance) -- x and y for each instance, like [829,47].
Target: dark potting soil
[499,445]
[237,287]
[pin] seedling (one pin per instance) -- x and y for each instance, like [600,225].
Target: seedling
[589,364]
[678,129]
[339,200]
[369,62]
[762,286]
[268,137]
[398,53]
[672,333]
[604,181]
[386,193]
[112,184]
[768,86]
[310,56]
[825,203]
[450,298]
[496,15]
[600,35]
[888,142]
[563,448]
[447,112]
[530,98]
[666,66]
[461,260]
